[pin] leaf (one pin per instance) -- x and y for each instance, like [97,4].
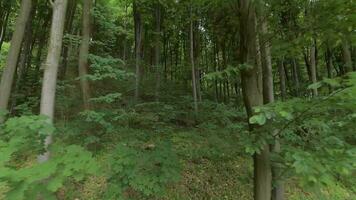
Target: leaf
[315,86]
[54,184]
[258,119]
[286,115]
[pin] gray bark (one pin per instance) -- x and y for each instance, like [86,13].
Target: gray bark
[84,53]
[51,67]
[282,79]
[268,91]
[12,57]
[346,52]
[313,67]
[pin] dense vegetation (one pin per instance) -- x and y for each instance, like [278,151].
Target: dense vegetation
[178,99]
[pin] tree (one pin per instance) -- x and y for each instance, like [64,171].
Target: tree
[51,64]
[12,58]
[138,46]
[84,53]
[157,48]
[251,82]
[192,60]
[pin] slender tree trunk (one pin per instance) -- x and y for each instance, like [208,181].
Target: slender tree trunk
[268,91]
[251,81]
[329,64]
[24,56]
[41,43]
[196,43]
[51,67]
[346,53]
[296,77]
[282,79]
[194,85]
[138,48]
[67,49]
[158,49]
[12,57]
[268,97]
[313,67]
[84,53]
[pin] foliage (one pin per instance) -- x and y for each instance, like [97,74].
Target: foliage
[144,168]
[22,139]
[320,146]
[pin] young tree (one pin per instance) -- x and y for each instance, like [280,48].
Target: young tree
[138,46]
[157,48]
[84,53]
[313,66]
[192,60]
[51,66]
[12,57]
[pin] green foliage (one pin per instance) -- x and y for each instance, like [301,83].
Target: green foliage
[3,54]
[106,68]
[317,138]
[145,168]
[22,139]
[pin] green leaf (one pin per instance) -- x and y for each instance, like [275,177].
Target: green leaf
[315,86]
[258,119]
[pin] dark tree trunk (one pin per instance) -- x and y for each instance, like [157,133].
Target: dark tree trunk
[251,87]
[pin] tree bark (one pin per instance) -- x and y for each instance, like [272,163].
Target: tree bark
[24,57]
[268,91]
[268,97]
[84,53]
[313,67]
[194,85]
[12,57]
[138,48]
[346,53]
[252,93]
[282,79]
[158,49]
[51,67]
[67,49]
[296,77]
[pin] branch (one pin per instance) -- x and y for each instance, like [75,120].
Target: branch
[302,114]
[51,2]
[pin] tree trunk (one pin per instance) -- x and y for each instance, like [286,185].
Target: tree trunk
[329,64]
[51,67]
[24,57]
[296,77]
[313,67]
[251,81]
[41,44]
[158,49]
[67,49]
[138,48]
[346,53]
[268,97]
[282,79]
[84,53]
[194,85]
[12,57]
[268,92]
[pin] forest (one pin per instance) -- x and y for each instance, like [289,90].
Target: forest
[178,99]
